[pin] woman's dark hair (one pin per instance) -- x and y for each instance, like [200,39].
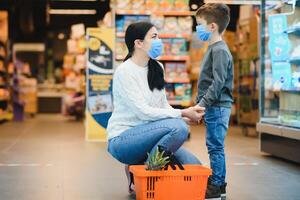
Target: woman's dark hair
[138,31]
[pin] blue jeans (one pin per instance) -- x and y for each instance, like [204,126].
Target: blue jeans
[132,146]
[216,121]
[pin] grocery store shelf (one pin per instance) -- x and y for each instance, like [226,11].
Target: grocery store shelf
[144,12]
[179,103]
[245,2]
[295,60]
[177,80]
[174,58]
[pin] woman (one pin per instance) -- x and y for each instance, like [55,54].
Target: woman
[142,119]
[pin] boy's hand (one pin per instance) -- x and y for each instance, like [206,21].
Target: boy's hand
[193,115]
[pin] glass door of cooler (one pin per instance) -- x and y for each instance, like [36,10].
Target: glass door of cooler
[280,63]
[279,124]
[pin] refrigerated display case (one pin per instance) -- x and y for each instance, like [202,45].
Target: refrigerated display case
[279,104]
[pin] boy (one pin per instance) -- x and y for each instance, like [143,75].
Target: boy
[215,90]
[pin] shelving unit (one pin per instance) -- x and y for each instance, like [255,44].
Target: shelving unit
[247,73]
[178,88]
[5,100]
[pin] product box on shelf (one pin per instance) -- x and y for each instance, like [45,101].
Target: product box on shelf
[182,91]
[171,25]
[179,46]
[181,4]
[121,49]
[138,4]
[152,5]
[123,4]
[166,5]
[158,21]
[182,71]
[170,91]
[171,70]
[167,46]
[185,24]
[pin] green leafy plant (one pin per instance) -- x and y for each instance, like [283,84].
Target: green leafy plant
[157,161]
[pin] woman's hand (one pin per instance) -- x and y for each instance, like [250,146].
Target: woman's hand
[194,114]
[189,121]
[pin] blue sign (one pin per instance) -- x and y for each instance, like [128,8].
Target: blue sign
[279,47]
[281,75]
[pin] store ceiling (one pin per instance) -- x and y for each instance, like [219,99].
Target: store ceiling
[30,20]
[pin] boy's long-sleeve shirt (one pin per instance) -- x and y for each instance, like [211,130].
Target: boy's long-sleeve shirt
[215,84]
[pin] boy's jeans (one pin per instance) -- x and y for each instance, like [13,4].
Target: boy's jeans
[132,146]
[216,121]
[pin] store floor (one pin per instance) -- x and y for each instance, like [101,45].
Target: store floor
[47,158]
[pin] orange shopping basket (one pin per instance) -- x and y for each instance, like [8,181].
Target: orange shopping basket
[187,184]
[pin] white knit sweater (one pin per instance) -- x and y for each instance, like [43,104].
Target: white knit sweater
[134,103]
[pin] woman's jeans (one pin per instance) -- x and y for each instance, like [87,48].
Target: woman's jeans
[132,146]
[216,121]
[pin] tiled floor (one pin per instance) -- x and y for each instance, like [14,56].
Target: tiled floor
[46,158]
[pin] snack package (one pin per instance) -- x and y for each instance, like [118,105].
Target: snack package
[68,61]
[152,5]
[179,47]
[167,46]
[123,4]
[171,25]
[137,4]
[121,49]
[181,70]
[129,19]
[81,45]
[187,92]
[170,91]
[166,5]
[77,31]
[179,91]
[145,18]
[159,22]
[72,46]
[181,5]
[120,24]
[170,68]
[185,24]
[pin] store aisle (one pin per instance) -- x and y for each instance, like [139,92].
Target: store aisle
[47,158]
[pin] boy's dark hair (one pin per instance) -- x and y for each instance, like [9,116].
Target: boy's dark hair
[215,13]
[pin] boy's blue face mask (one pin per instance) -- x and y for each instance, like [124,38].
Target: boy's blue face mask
[202,33]
[156,48]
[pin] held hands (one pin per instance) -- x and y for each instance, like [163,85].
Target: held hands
[193,115]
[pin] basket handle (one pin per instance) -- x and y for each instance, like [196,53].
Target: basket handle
[173,161]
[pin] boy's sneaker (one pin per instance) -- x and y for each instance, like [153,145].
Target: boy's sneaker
[213,192]
[223,191]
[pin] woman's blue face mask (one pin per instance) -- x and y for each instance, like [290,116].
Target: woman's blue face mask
[156,48]
[202,33]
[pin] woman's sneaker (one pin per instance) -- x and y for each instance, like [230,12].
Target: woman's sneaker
[129,176]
